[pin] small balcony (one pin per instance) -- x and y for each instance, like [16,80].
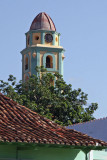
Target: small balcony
[49,65]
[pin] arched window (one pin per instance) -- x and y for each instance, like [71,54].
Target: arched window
[26,63]
[49,62]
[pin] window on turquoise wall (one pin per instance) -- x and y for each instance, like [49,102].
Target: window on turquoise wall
[26,63]
[49,62]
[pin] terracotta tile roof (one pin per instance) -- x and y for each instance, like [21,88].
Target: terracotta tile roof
[20,124]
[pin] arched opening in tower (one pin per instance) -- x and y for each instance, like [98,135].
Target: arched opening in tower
[49,62]
[26,63]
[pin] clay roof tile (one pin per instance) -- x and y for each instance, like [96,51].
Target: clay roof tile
[20,124]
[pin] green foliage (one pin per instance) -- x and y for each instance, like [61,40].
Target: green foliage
[57,102]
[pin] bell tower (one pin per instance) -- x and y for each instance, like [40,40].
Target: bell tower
[42,47]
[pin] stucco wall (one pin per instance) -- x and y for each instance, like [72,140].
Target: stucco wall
[96,129]
[34,40]
[100,155]
[40,153]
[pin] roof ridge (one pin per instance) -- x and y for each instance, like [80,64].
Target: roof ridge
[87,122]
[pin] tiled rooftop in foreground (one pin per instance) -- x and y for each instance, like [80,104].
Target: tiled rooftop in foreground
[20,124]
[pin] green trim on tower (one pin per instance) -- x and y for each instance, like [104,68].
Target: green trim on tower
[42,31]
[40,48]
[44,61]
[60,63]
[38,58]
[53,42]
[30,42]
[26,40]
[42,37]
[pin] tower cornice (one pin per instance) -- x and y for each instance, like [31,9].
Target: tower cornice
[42,48]
[42,31]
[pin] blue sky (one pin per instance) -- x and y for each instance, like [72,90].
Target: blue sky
[83,28]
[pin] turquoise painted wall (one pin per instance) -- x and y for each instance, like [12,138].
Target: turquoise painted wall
[40,153]
[100,155]
[37,49]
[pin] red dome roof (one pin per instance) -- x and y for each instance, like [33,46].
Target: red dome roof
[43,22]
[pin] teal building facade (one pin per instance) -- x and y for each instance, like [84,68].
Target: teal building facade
[42,47]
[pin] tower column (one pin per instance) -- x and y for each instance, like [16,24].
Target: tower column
[42,38]
[53,42]
[60,64]
[30,42]
[38,58]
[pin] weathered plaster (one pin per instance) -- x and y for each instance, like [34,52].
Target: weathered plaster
[34,41]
